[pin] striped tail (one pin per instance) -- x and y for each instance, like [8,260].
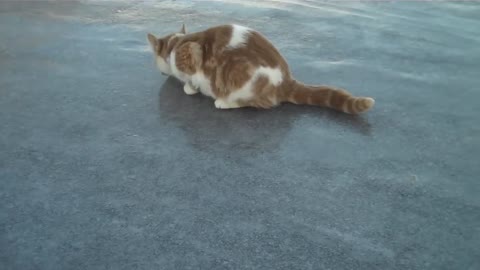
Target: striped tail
[326,96]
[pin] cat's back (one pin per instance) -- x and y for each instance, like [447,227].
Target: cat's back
[240,41]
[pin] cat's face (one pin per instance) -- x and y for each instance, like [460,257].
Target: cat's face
[160,49]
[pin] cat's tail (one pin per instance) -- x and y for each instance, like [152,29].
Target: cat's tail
[327,96]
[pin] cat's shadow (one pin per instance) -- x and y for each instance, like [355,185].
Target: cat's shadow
[246,129]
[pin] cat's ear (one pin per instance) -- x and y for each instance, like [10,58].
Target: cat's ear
[153,42]
[184,29]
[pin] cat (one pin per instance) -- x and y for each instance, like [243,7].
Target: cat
[238,67]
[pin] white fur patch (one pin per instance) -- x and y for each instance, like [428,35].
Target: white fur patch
[200,81]
[274,75]
[222,104]
[239,36]
[162,65]
[189,90]
[244,93]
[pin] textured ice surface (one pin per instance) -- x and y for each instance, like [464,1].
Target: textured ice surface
[105,164]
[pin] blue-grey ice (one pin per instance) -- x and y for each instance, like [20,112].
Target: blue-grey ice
[106,164]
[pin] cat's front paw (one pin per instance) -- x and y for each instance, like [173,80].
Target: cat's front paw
[222,104]
[189,90]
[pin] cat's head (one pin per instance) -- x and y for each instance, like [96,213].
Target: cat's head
[160,49]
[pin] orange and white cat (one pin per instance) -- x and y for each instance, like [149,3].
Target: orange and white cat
[238,67]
